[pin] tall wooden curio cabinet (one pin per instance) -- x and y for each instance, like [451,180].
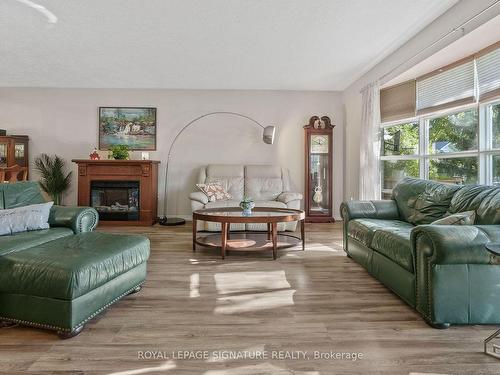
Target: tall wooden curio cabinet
[13,150]
[318,170]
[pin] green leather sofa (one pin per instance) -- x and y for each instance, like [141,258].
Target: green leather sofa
[60,278]
[443,271]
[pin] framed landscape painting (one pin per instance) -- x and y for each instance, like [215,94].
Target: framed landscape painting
[134,127]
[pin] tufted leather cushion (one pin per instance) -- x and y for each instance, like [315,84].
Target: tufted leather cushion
[25,240]
[394,243]
[422,201]
[263,182]
[488,212]
[484,200]
[21,194]
[468,198]
[69,267]
[230,176]
[363,230]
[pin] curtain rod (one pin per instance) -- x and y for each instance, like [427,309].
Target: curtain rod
[453,31]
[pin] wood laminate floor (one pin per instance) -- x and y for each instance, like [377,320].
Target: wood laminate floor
[286,312]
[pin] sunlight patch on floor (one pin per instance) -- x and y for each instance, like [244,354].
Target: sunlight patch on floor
[194,285]
[252,291]
[196,261]
[315,246]
[254,302]
[241,282]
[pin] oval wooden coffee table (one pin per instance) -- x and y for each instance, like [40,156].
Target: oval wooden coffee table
[260,215]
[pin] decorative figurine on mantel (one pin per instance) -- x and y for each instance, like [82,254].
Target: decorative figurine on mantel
[95,155]
[318,176]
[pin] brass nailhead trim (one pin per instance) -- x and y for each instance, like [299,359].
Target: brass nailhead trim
[427,312]
[56,328]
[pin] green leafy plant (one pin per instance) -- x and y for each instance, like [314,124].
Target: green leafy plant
[53,179]
[120,152]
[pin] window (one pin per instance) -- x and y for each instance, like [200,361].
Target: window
[455,147]
[395,170]
[496,170]
[494,115]
[456,132]
[458,171]
[401,139]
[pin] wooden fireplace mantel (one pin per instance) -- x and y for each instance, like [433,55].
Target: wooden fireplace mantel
[143,171]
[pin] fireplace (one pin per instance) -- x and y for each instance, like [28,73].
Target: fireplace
[124,192]
[115,200]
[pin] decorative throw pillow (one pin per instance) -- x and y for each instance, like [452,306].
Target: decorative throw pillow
[460,218]
[22,219]
[214,191]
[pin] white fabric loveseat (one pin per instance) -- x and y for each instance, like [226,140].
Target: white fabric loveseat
[267,185]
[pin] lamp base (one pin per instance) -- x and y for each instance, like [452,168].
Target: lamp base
[170,221]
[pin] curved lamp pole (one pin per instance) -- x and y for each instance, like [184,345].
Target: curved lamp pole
[267,137]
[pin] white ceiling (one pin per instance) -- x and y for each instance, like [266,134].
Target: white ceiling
[203,44]
[479,38]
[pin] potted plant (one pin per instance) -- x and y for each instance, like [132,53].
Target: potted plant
[119,152]
[53,178]
[247,204]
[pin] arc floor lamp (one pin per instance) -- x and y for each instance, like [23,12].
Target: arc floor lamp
[268,133]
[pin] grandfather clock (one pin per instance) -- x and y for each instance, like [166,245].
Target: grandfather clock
[318,170]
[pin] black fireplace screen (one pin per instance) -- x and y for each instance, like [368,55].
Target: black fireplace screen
[115,200]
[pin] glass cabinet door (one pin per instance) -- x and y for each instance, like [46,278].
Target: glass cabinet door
[20,154]
[3,154]
[318,174]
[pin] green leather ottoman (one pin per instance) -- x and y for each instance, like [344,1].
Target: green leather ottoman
[64,283]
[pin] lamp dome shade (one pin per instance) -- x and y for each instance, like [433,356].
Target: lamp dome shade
[268,135]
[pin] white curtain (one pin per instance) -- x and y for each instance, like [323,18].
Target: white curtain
[369,158]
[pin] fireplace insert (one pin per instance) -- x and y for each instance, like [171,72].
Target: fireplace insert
[115,200]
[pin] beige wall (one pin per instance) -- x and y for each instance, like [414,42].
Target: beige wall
[64,121]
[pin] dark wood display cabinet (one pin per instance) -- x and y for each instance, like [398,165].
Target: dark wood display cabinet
[14,151]
[124,192]
[318,134]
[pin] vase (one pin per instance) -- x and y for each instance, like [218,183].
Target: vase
[247,206]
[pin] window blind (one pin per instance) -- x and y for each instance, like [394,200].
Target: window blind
[446,88]
[397,102]
[488,74]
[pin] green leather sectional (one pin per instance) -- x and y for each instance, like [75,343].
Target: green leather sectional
[60,278]
[444,271]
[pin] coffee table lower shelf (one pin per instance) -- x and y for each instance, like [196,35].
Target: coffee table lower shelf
[247,241]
